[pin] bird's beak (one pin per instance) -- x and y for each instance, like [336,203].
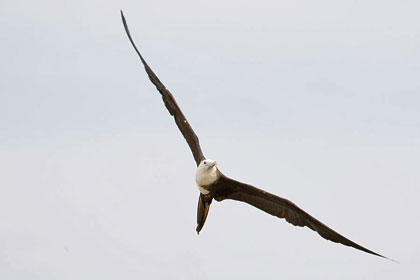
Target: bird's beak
[213,164]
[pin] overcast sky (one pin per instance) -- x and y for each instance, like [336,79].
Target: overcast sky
[315,101]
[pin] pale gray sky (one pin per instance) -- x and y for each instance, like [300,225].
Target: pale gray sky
[315,101]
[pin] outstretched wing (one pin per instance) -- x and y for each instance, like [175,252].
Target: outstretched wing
[230,189]
[171,105]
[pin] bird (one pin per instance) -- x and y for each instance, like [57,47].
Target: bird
[213,184]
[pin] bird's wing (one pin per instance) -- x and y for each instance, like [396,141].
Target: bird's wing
[230,189]
[171,105]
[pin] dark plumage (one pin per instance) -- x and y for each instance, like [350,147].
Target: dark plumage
[222,187]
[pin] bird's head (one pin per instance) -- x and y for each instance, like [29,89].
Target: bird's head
[207,164]
[206,173]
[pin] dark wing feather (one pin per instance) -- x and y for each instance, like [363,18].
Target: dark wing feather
[171,105]
[230,189]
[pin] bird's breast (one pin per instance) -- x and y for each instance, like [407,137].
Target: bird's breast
[204,178]
[204,189]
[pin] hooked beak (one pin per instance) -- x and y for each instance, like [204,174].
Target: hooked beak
[212,164]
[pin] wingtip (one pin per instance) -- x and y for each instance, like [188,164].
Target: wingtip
[382,256]
[391,260]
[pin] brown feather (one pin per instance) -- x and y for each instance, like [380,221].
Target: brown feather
[226,188]
[170,104]
[204,202]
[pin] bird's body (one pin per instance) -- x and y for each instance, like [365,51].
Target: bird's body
[213,184]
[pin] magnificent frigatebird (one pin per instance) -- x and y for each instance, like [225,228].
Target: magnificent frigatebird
[214,184]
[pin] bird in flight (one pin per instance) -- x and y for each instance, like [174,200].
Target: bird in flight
[213,184]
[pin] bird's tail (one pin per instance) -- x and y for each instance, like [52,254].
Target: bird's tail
[202,211]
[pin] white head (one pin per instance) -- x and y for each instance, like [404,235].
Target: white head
[206,172]
[207,163]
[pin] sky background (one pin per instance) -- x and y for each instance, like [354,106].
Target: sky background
[315,101]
